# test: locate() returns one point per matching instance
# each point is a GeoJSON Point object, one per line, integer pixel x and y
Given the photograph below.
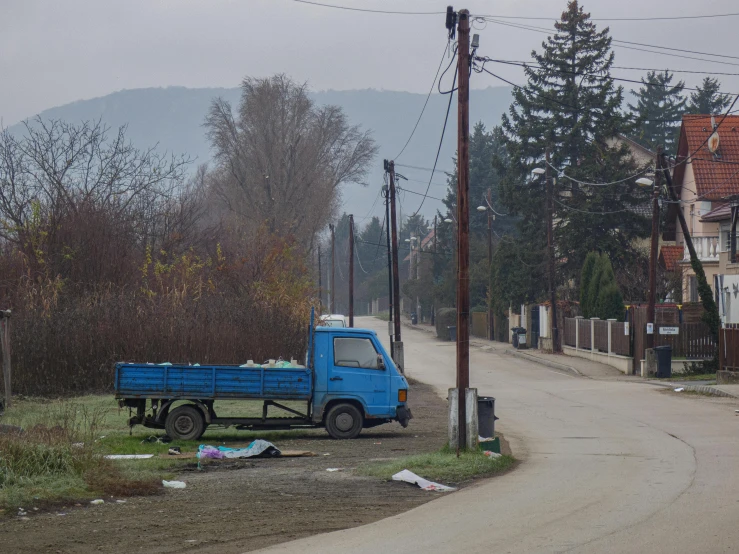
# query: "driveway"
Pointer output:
{"type": "Point", "coordinates": [608, 466]}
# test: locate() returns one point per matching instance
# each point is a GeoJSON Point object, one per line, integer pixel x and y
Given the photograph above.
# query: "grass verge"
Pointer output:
{"type": "Point", "coordinates": [60, 456]}
{"type": "Point", "coordinates": [690, 377]}
{"type": "Point", "coordinates": [443, 466]}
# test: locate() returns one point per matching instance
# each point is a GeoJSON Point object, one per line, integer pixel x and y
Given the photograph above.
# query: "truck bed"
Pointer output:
{"type": "Point", "coordinates": [135, 380]}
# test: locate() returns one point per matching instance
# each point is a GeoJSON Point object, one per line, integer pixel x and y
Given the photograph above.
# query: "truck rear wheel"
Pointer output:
{"type": "Point", "coordinates": [185, 423]}
{"type": "Point", "coordinates": [344, 421]}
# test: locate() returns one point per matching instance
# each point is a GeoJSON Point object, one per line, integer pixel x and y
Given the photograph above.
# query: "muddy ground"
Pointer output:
{"type": "Point", "coordinates": [246, 505]}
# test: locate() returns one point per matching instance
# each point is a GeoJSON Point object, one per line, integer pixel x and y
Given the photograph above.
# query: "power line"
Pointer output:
{"type": "Point", "coordinates": [420, 168]}
{"type": "Point", "coordinates": [441, 141]}
{"type": "Point", "coordinates": [366, 10]}
{"type": "Point", "coordinates": [446, 48]}
{"type": "Point", "coordinates": [590, 74]}
{"type": "Point", "coordinates": [391, 12]}
{"type": "Point", "coordinates": [620, 44]}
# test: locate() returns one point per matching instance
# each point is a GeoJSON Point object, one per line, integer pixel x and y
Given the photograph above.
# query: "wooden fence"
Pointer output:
{"type": "Point", "coordinates": [692, 341]}
{"type": "Point", "coordinates": [728, 348]}
{"type": "Point", "coordinates": [479, 327]}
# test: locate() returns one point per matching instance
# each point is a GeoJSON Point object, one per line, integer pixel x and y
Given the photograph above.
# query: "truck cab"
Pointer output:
{"type": "Point", "coordinates": [357, 384]}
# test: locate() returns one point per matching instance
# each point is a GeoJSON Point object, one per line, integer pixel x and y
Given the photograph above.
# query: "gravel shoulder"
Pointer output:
{"type": "Point", "coordinates": [247, 505]}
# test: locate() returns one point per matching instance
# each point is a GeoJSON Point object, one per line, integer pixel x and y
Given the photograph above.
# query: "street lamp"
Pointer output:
{"type": "Point", "coordinates": [482, 208]}
{"type": "Point", "coordinates": [447, 220]}
{"type": "Point", "coordinates": [538, 171]}
{"type": "Point", "coordinates": [644, 182]}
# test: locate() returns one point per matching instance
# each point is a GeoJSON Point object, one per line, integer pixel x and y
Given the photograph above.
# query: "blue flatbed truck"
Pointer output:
{"type": "Point", "coordinates": [350, 383]}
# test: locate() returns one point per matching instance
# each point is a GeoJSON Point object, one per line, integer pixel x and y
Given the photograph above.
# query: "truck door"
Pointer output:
{"type": "Point", "coordinates": [356, 371]}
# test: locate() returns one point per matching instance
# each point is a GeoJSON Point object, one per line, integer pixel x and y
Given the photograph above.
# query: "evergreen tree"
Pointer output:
{"type": "Point", "coordinates": [594, 286]}
{"type": "Point", "coordinates": [707, 99]}
{"type": "Point", "coordinates": [586, 277]}
{"type": "Point", "coordinates": [484, 147]}
{"type": "Point", "coordinates": [658, 110]}
{"type": "Point", "coordinates": [571, 104]}
{"type": "Point", "coordinates": [611, 303]}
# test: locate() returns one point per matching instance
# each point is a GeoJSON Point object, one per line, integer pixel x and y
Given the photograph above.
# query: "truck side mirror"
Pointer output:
{"type": "Point", "coordinates": [380, 362]}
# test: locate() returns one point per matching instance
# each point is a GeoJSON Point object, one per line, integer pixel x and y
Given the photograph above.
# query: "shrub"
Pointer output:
{"type": "Point", "coordinates": [610, 303]}
{"type": "Point", "coordinates": [586, 278]}
{"type": "Point", "coordinates": [445, 317]}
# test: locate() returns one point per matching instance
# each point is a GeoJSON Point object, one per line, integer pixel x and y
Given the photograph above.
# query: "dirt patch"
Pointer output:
{"type": "Point", "coordinates": [245, 505]}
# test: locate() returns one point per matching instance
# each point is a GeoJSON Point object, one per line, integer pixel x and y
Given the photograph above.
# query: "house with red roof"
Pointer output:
{"type": "Point", "coordinates": [706, 179]}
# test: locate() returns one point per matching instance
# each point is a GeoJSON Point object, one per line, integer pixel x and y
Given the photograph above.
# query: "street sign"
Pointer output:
{"type": "Point", "coordinates": [669, 330]}
{"type": "Point", "coordinates": [650, 328]}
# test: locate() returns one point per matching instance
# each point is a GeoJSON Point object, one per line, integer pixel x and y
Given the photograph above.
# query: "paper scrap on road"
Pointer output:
{"type": "Point", "coordinates": [679, 389]}
{"type": "Point", "coordinates": [98, 501]}
{"type": "Point", "coordinates": [410, 477]}
{"type": "Point", "coordinates": [129, 456]}
{"type": "Point", "coordinates": [174, 484]}
{"type": "Point", "coordinates": [334, 468]}
{"type": "Point", "coordinates": [491, 454]}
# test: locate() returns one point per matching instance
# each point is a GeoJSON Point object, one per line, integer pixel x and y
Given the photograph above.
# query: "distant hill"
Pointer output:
{"type": "Point", "coordinates": [172, 118]}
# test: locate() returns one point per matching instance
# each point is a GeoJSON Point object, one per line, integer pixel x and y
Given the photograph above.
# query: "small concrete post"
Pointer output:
{"type": "Point", "coordinates": [592, 333]}
{"type": "Point", "coordinates": [453, 418]}
{"type": "Point", "coordinates": [610, 335]}
{"type": "Point", "coordinates": [470, 399]}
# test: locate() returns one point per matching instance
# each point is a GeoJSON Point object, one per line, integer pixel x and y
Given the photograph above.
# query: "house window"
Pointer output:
{"type": "Point", "coordinates": [692, 288]}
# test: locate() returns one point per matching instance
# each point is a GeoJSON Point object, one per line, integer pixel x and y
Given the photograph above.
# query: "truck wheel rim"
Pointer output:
{"type": "Point", "coordinates": [184, 425]}
{"type": "Point", "coordinates": [344, 422]}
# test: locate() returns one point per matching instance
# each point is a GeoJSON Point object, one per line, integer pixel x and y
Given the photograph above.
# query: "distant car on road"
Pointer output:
{"type": "Point", "coordinates": [333, 320]}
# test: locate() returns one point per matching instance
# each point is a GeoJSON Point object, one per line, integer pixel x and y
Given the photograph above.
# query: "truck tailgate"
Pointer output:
{"type": "Point", "coordinates": [211, 381]}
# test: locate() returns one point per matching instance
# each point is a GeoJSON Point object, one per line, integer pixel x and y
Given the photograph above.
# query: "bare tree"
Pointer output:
{"type": "Point", "coordinates": [71, 193]}
{"type": "Point", "coordinates": [282, 159]}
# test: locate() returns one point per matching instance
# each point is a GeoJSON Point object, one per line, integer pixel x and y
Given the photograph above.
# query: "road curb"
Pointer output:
{"type": "Point", "coordinates": [542, 361]}
{"type": "Point", "coordinates": [704, 389]}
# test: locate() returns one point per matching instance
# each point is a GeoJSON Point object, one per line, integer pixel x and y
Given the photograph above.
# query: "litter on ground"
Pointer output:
{"type": "Point", "coordinates": [129, 456]}
{"type": "Point", "coordinates": [410, 477]}
{"type": "Point", "coordinates": [97, 501]}
{"type": "Point", "coordinates": [174, 484]}
{"type": "Point", "coordinates": [257, 449]}
{"type": "Point", "coordinates": [491, 454]}
{"type": "Point", "coordinates": [679, 389]}
{"type": "Point", "coordinates": [334, 468]}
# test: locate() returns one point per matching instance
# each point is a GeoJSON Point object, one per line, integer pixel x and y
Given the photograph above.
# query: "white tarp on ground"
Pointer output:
{"type": "Point", "coordinates": [412, 478]}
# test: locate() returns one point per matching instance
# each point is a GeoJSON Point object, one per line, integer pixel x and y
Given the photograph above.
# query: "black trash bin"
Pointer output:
{"type": "Point", "coordinates": [414, 318]}
{"type": "Point", "coordinates": [519, 336]}
{"type": "Point", "coordinates": [486, 416]}
{"type": "Point", "coordinates": [514, 336]}
{"type": "Point", "coordinates": [452, 333]}
{"type": "Point", "coordinates": [664, 361]}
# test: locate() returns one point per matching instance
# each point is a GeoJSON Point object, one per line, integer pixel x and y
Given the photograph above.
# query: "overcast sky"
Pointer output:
{"type": "Point", "coordinates": [55, 52]}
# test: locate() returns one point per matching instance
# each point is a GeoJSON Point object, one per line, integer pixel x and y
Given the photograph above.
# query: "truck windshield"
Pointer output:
{"type": "Point", "coordinates": [355, 352]}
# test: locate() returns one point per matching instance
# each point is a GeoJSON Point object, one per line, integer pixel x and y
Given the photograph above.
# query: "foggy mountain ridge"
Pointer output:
{"type": "Point", "coordinates": [172, 118]}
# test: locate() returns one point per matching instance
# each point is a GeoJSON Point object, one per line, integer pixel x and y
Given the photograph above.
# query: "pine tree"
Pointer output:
{"type": "Point", "coordinates": [586, 277]}
{"type": "Point", "coordinates": [658, 110]}
{"type": "Point", "coordinates": [571, 104]}
{"type": "Point", "coordinates": [707, 99]}
{"type": "Point", "coordinates": [484, 147]}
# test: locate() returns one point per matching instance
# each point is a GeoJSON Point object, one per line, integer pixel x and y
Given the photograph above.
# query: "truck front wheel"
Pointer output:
{"type": "Point", "coordinates": [185, 423]}
{"type": "Point", "coordinates": [344, 421]}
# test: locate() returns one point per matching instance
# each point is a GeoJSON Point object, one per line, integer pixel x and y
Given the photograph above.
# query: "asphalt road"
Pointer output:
{"type": "Point", "coordinates": [608, 466]}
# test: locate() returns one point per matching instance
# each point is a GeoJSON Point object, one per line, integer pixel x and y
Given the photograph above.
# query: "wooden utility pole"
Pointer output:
{"type": "Point", "coordinates": [652, 299]}
{"type": "Point", "coordinates": [386, 190]}
{"type": "Point", "coordinates": [463, 222]}
{"type": "Point", "coordinates": [556, 347]}
{"type": "Point", "coordinates": [320, 283]}
{"type": "Point", "coordinates": [394, 246]}
{"type": "Point", "coordinates": [5, 347]}
{"type": "Point", "coordinates": [351, 270]}
{"type": "Point", "coordinates": [332, 286]}
{"type": "Point", "coordinates": [433, 279]}
{"type": "Point", "coordinates": [491, 216]}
